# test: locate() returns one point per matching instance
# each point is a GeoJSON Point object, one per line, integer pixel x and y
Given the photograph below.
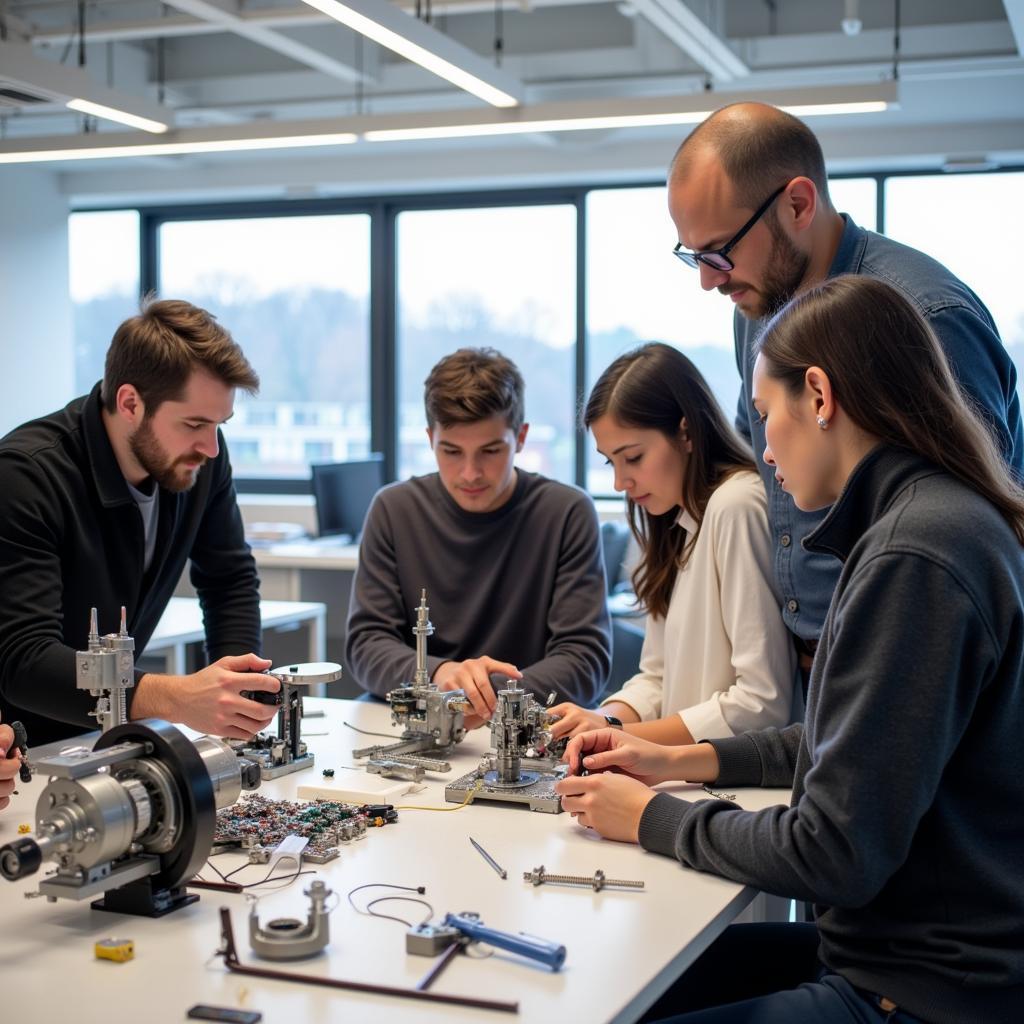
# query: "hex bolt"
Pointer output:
{"type": "Point", "coordinates": [538, 876]}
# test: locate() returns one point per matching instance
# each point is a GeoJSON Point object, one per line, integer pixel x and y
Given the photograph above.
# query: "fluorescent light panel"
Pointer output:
{"type": "Point", "coordinates": [120, 116]}
{"type": "Point", "coordinates": [418, 42]}
{"type": "Point", "coordinates": [550, 117]}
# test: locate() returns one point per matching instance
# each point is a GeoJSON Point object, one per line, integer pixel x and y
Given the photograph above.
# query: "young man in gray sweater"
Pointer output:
{"type": "Point", "coordinates": [510, 560]}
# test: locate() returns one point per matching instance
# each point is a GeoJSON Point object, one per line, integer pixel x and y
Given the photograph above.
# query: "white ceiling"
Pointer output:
{"type": "Point", "coordinates": [213, 62]}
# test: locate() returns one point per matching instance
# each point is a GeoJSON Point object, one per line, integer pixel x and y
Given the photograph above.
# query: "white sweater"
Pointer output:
{"type": "Point", "coordinates": [721, 658]}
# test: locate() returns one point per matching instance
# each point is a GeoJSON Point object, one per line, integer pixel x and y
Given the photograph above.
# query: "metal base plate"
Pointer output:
{"type": "Point", "coordinates": [275, 771]}
{"type": "Point", "coordinates": [538, 795]}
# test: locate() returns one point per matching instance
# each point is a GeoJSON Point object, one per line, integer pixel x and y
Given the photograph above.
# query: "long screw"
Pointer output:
{"type": "Point", "coordinates": [538, 876]}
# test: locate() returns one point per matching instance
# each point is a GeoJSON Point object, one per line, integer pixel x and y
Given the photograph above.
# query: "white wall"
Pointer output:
{"type": "Point", "coordinates": [36, 335]}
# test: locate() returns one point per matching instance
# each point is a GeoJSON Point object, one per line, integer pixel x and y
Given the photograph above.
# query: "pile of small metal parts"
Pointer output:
{"type": "Point", "coordinates": [258, 824]}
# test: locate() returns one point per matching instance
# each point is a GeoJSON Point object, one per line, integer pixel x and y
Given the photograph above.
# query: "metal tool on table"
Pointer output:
{"type": "Point", "coordinates": [287, 938]}
{"type": "Point", "coordinates": [107, 670]}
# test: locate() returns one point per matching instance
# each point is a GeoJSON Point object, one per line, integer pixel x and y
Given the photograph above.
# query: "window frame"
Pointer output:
{"type": "Point", "coordinates": [383, 211]}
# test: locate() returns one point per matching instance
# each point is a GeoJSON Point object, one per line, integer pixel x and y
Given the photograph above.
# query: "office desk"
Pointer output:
{"type": "Point", "coordinates": [281, 566]}
{"type": "Point", "coordinates": [623, 947]}
{"type": "Point", "coordinates": [182, 624]}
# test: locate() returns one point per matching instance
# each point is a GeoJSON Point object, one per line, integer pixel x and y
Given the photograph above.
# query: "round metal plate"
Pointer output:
{"type": "Point", "coordinates": [307, 673]}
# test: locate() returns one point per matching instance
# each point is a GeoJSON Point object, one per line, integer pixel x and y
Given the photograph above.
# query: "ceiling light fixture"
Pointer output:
{"type": "Point", "coordinates": [55, 83]}
{"type": "Point", "coordinates": [415, 40]}
{"type": "Point", "coordinates": [120, 116]}
{"type": "Point", "coordinates": [586, 115]}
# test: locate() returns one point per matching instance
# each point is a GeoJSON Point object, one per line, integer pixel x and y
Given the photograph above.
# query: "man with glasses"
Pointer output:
{"type": "Point", "coordinates": [749, 197]}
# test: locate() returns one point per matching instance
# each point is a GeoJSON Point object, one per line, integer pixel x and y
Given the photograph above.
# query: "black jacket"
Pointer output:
{"type": "Point", "coordinates": [71, 538]}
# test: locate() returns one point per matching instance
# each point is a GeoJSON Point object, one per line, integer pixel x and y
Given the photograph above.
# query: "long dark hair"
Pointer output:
{"type": "Point", "coordinates": [653, 388]}
{"type": "Point", "coordinates": [891, 377]}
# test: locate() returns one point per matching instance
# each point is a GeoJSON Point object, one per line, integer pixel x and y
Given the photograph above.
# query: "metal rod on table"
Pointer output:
{"type": "Point", "coordinates": [487, 857]}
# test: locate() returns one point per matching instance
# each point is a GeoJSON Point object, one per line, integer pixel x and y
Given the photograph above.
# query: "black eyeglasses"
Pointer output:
{"type": "Point", "coordinates": [718, 259]}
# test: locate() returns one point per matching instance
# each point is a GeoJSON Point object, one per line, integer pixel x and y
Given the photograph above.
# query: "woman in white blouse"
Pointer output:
{"type": "Point", "coordinates": [717, 659]}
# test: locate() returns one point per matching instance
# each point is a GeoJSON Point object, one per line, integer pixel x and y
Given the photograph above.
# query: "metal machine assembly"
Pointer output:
{"type": "Point", "coordinates": [278, 755]}
{"type": "Point", "coordinates": [107, 670]}
{"type": "Point", "coordinates": [132, 820]}
{"type": "Point", "coordinates": [520, 731]}
{"type": "Point", "coordinates": [431, 720]}
{"type": "Point", "coordinates": [287, 938]}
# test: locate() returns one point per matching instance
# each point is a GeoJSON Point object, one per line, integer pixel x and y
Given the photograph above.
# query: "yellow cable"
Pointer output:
{"type": "Point", "coordinates": [458, 807]}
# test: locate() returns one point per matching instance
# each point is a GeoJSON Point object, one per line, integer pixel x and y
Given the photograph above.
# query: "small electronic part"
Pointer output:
{"type": "Point", "coordinates": [286, 752]}
{"type": "Point", "coordinates": [287, 938]}
{"type": "Point", "coordinates": [431, 939]}
{"type": "Point", "coordinates": [130, 821]}
{"type": "Point", "coordinates": [257, 825]}
{"type": "Point", "coordinates": [597, 881]}
{"type": "Point", "coordinates": [20, 747]}
{"type": "Point", "coordinates": [24, 830]}
{"type": "Point", "coordinates": [520, 737]}
{"type": "Point", "coordinates": [118, 950]}
{"type": "Point", "coordinates": [107, 670]}
{"type": "Point", "coordinates": [328, 773]}
{"type": "Point", "coordinates": [432, 721]}
{"type": "Point", "coordinates": [225, 1014]}
{"type": "Point", "coordinates": [487, 857]}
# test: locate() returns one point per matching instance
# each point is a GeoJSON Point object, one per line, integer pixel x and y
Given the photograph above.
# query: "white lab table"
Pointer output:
{"type": "Point", "coordinates": [624, 948]}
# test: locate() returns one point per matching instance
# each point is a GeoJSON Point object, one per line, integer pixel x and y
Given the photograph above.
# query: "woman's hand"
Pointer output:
{"type": "Point", "coordinates": [609, 803]}
{"type": "Point", "coordinates": [574, 720]}
{"type": "Point", "coordinates": [618, 751]}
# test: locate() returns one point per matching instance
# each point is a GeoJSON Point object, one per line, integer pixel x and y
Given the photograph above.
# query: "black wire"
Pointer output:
{"type": "Point", "coordinates": [896, 42]}
{"type": "Point", "coordinates": [270, 877]}
{"type": "Point", "coordinates": [366, 732]}
{"type": "Point", "coordinates": [421, 889]}
{"type": "Point", "coordinates": [401, 899]}
{"type": "Point", "coordinates": [499, 32]}
{"type": "Point", "coordinates": [81, 33]}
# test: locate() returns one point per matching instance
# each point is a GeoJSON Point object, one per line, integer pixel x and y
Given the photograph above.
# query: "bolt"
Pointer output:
{"type": "Point", "coordinates": [538, 876]}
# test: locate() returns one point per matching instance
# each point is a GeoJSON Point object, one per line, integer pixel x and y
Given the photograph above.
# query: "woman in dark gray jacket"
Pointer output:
{"type": "Point", "coordinates": [906, 824]}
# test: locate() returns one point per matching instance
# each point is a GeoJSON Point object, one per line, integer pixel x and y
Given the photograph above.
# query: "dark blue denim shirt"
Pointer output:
{"type": "Point", "coordinates": [804, 580]}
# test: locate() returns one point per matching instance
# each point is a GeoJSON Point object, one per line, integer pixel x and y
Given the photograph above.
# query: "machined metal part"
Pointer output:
{"type": "Point", "coordinates": [432, 721]}
{"type": "Point", "coordinates": [395, 769]}
{"type": "Point", "coordinates": [519, 769]}
{"type": "Point", "coordinates": [539, 876]}
{"type": "Point", "coordinates": [287, 938]}
{"type": "Point", "coordinates": [107, 669]}
{"type": "Point", "coordinates": [286, 753]}
{"type": "Point", "coordinates": [130, 821]}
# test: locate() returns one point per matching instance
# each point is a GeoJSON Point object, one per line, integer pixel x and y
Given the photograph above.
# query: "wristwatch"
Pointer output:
{"type": "Point", "coordinates": [615, 723]}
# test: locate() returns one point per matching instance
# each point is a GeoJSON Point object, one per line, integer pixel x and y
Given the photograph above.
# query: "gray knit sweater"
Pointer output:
{"type": "Point", "coordinates": [523, 584]}
{"type": "Point", "coordinates": [906, 825]}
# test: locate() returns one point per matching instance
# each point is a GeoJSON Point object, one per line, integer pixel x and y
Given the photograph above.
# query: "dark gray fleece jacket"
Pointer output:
{"type": "Point", "coordinates": [906, 825]}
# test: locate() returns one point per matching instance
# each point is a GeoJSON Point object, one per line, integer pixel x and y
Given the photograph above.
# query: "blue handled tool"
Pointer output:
{"type": "Point", "coordinates": [432, 939]}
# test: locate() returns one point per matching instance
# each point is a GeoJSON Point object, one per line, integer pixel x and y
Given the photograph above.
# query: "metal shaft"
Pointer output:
{"type": "Point", "coordinates": [422, 630]}
{"type": "Point", "coordinates": [538, 876]}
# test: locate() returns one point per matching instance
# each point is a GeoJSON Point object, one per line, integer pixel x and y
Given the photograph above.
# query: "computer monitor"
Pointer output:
{"type": "Point", "coordinates": [343, 492]}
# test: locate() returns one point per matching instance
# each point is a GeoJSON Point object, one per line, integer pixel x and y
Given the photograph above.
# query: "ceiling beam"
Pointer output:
{"type": "Point", "coordinates": [108, 31]}
{"type": "Point", "coordinates": [679, 24]}
{"type": "Point", "coordinates": [1015, 16]}
{"type": "Point", "coordinates": [269, 38]}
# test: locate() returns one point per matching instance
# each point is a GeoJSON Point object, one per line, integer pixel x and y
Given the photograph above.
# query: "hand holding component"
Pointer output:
{"type": "Point", "coordinates": [609, 803]}
{"type": "Point", "coordinates": [474, 676]}
{"type": "Point", "coordinates": [621, 752]}
{"type": "Point", "coordinates": [574, 720]}
{"type": "Point", "coordinates": [211, 700]}
{"type": "Point", "coordinates": [9, 766]}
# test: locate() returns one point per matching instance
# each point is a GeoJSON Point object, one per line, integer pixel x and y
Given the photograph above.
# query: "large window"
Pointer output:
{"type": "Point", "coordinates": [503, 277]}
{"type": "Point", "coordinates": [977, 236]}
{"type": "Point", "coordinates": [103, 260]}
{"type": "Point", "coordinates": [294, 292]}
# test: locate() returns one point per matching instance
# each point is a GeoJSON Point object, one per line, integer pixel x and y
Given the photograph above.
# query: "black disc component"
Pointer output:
{"type": "Point", "coordinates": [19, 858]}
{"type": "Point", "coordinates": [195, 791]}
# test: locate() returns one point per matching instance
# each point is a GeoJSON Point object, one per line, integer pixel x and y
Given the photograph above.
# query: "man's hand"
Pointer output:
{"type": "Point", "coordinates": [473, 676]}
{"type": "Point", "coordinates": [618, 751]}
{"type": "Point", "coordinates": [574, 720]}
{"type": "Point", "coordinates": [9, 766]}
{"type": "Point", "coordinates": [610, 804]}
{"type": "Point", "coordinates": [210, 700]}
